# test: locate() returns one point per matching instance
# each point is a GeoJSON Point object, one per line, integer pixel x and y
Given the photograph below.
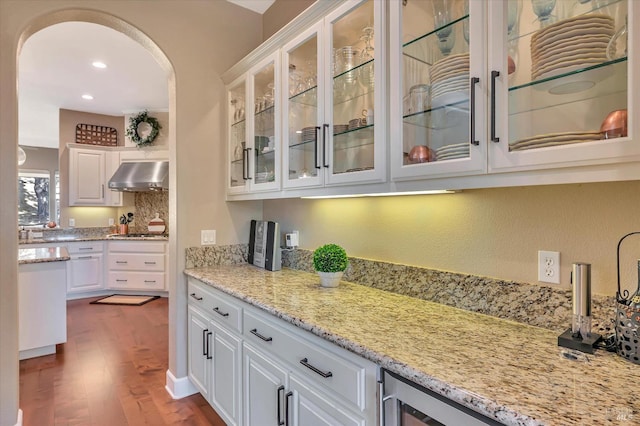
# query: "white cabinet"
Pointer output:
{"type": "Point", "coordinates": [333, 121]}
{"type": "Point", "coordinates": [85, 270]}
{"type": "Point", "coordinates": [89, 172]}
{"type": "Point", "coordinates": [136, 265]}
{"type": "Point", "coordinates": [262, 369]}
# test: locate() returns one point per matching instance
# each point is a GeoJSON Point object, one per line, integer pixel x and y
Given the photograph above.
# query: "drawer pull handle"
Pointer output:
{"type": "Point", "coordinates": [260, 336]}
{"type": "Point", "coordinates": [121, 261]}
{"type": "Point", "coordinates": [149, 281]}
{"type": "Point", "coordinates": [149, 263]}
{"type": "Point", "coordinates": [280, 390]}
{"type": "Point", "coordinates": [305, 362]}
{"type": "Point", "coordinates": [195, 297]}
{"type": "Point", "coordinates": [121, 281]}
{"type": "Point", "coordinates": [85, 248]}
{"type": "Point", "coordinates": [85, 257]}
{"type": "Point", "coordinates": [218, 311]}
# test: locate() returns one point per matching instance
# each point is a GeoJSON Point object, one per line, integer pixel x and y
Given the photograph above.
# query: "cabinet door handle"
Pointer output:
{"type": "Point", "coordinates": [149, 281]}
{"type": "Point", "coordinates": [121, 261]}
{"type": "Point", "coordinates": [315, 154]}
{"type": "Point", "coordinates": [494, 75]}
{"type": "Point", "coordinates": [195, 297]}
{"type": "Point", "coordinates": [121, 281]}
{"type": "Point", "coordinates": [84, 257]}
{"type": "Point", "coordinates": [260, 336]}
{"type": "Point", "coordinates": [248, 164]}
{"type": "Point", "coordinates": [204, 341]}
{"type": "Point", "coordinates": [219, 312]}
{"type": "Point", "coordinates": [103, 190]}
{"type": "Point", "coordinates": [279, 407]}
{"type": "Point", "coordinates": [244, 164]}
{"type": "Point", "coordinates": [149, 263]}
{"type": "Point", "coordinates": [474, 81]}
{"type": "Point", "coordinates": [286, 408]}
{"type": "Point", "coordinates": [209, 334]}
{"type": "Point", "coordinates": [325, 128]}
{"type": "Point", "coordinates": [305, 362]}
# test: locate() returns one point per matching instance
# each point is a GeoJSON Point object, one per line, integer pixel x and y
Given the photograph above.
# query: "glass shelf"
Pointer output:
{"type": "Point", "coordinates": [605, 79]}
{"type": "Point", "coordinates": [347, 84]}
{"type": "Point", "coordinates": [236, 161]}
{"type": "Point", "coordinates": [305, 145]}
{"type": "Point", "coordinates": [306, 97]}
{"type": "Point", "coordinates": [238, 123]}
{"type": "Point", "coordinates": [265, 153]}
{"type": "Point", "coordinates": [419, 49]}
{"type": "Point", "coordinates": [264, 111]}
{"type": "Point", "coordinates": [442, 117]}
{"type": "Point", "coordinates": [354, 138]}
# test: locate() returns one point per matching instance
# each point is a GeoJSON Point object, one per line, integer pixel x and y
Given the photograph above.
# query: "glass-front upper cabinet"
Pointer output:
{"type": "Point", "coordinates": [334, 119]}
{"type": "Point", "coordinates": [563, 78]}
{"type": "Point", "coordinates": [237, 147]}
{"type": "Point", "coordinates": [437, 80]}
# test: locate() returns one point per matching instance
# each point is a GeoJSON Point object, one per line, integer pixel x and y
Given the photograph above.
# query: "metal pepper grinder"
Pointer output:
{"type": "Point", "coordinates": [579, 336]}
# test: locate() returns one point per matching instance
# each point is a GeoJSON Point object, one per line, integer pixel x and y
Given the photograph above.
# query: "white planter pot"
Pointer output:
{"type": "Point", "coordinates": [330, 279]}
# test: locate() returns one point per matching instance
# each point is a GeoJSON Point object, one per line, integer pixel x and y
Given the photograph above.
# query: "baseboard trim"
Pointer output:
{"type": "Point", "coordinates": [19, 423]}
{"type": "Point", "coordinates": [179, 388]}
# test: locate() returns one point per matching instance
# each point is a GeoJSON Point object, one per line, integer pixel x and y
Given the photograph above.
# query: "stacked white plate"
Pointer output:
{"type": "Point", "coordinates": [308, 134]}
{"type": "Point", "coordinates": [450, 80]}
{"type": "Point", "coordinates": [570, 44]}
{"type": "Point", "coordinates": [555, 139]}
{"type": "Point", "coordinates": [449, 152]}
{"type": "Point", "coordinates": [340, 128]}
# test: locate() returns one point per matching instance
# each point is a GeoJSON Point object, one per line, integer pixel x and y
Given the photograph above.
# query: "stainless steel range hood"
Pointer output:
{"type": "Point", "coordinates": [141, 176]}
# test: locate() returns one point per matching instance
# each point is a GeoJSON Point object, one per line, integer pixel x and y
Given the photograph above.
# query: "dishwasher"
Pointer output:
{"type": "Point", "coordinates": [404, 403]}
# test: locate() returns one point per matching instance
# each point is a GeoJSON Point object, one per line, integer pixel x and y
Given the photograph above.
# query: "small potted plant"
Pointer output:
{"type": "Point", "coordinates": [330, 261]}
{"type": "Point", "coordinates": [125, 220]}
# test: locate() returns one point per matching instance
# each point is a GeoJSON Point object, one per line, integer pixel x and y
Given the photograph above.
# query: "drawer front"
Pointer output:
{"type": "Point", "coordinates": [223, 309]}
{"type": "Point", "coordinates": [136, 280]}
{"type": "Point", "coordinates": [85, 247]}
{"type": "Point", "coordinates": [338, 375]}
{"type": "Point", "coordinates": [136, 262]}
{"type": "Point", "coordinates": [137, 246]}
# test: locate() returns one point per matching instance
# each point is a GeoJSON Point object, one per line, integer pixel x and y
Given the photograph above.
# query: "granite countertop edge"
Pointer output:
{"type": "Point", "coordinates": [87, 238]}
{"type": "Point", "coordinates": [476, 402]}
{"type": "Point", "coordinates": [28, 256]}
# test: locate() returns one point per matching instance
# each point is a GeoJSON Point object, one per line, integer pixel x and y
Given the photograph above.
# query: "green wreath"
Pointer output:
{"type": "Point", "coordinates": [134, 127]}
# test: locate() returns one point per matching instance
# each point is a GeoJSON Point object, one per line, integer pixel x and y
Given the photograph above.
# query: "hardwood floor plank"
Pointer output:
{"type": "Point", "coordinates": [110, 372]}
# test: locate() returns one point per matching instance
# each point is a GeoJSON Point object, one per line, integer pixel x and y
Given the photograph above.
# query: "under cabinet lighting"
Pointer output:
{"type": "Point", "coordinates": [383, 194]}
{"type": "Point", "coordinates": [99, 64]}
{"type": "Point", "coordinates": [87, 97]}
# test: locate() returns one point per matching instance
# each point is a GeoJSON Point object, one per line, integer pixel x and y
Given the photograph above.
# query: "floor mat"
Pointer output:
{"type": "Point", "coordinates": [124, 299]}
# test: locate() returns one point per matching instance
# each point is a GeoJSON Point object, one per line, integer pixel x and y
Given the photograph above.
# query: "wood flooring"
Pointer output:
{"type": "Point", "coordinates": [111, 372]}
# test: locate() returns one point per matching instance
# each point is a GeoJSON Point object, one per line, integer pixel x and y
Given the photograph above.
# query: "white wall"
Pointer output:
{"type": "Point", "coordinates": [194, 40]}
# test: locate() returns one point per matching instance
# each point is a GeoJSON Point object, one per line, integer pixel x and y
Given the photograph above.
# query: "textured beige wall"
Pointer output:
{"type": "Point", "coordinates": [281, 13]}
{"type": "Point", "coordinates": [490, 232]}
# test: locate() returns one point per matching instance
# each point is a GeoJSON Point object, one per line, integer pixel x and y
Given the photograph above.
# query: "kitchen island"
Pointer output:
{"type": "Point", "coordinates": [42, 301]}
{"type": "Point", "coordinates": [510, 372]}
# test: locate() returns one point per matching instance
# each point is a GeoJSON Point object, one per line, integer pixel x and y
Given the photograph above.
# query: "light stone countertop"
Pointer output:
{"type": "Point", "coordinates": [39, 255]}
{"type": "Point", "coordinates": [512, 372]}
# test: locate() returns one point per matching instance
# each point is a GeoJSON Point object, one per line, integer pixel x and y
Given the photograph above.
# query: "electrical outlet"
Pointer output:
{"type": "Point", "coordinates": [292, 239]}
{"type": "Point", "coordinates": [72, 222]}
{"type": "Point", "coordinates": [549, 266]}
{"type": "Point", "coordinates": [208, 237]}
{"type": "Point", "coordinates": [111, 221]}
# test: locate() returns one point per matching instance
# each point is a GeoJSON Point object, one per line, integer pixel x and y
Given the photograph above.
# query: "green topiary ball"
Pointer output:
{"type": "Point", "coordinates": [330, 258]}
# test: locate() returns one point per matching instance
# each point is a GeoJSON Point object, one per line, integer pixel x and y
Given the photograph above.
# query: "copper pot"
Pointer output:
{"type": "Point", "coordinates": [615, 125]}
{"type": "Point", "coordinates": [421, 154]}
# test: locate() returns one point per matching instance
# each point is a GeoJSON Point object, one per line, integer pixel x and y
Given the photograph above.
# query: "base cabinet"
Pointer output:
{"type": "Point", "coordinates": [85, 270]}
{"type": "Point", "coordinates": [136, 265]}
{"type": "Point", "coordinates": [255, 369]}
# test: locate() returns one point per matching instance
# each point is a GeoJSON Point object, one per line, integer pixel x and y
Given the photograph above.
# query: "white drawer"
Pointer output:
{"type": "Point", "coordinates": [136, 280]}
{"type": "Point", "coordinates": [85, 247]}
{"type": "Point", "coordinates": [137, 246]}
{"type": "Point", "coordinates": [224, 309]}
{"type": "Point", "coordinates": [340, 376]}
{"type": "Point", "coordinates": [136, 262]}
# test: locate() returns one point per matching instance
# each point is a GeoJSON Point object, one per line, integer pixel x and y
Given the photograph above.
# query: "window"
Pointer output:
{"type": "Point", "coordinates": [33, 197]}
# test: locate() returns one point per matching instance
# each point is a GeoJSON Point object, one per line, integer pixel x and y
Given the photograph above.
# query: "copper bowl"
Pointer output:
{"type": "Point", "coordinates": [615, 125]}
{"type": "Point", "coordinates": [511, 65]}
{"type": "Point", "coordinates": [421, 154]}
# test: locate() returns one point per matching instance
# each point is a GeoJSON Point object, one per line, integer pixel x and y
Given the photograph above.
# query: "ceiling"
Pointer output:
{"type": "Point", "coordinates": [259, 6]}
{"type": "Point", "coordinates": [55, 70]}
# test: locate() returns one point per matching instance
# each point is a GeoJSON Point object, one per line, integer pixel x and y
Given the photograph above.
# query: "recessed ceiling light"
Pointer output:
{"type": "Point", "coordinates": [87, 97]}
{"type": "Point", "coordinates": [99, 64]}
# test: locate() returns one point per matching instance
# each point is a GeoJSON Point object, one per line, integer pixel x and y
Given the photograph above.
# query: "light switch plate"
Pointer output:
{"type": "Point", "coordinates": [208, 237]}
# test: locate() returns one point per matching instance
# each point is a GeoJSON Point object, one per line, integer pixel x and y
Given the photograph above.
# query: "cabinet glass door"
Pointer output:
{"type": "Point", "coordinates": [437, 73]}
{"type": "Point", "coordinates": [237, 155]}
{"type": "Point", "coordinates": [264, 156]}
{"type": "Point", "coordinates": [302, 121]}
{"type": "Point", "coordinates": [354, 145]}
{"type": "Point", "coordinates": [563, 83]}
